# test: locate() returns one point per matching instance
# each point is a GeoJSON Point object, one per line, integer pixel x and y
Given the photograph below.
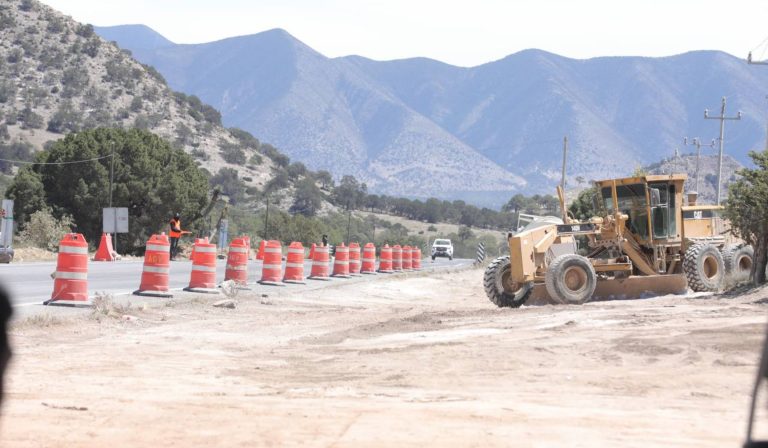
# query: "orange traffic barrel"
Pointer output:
{"type": "Point", "coordinates": [416, 258]}
{"type": "Point", "coordinates": [354, 259]}
{"type": "Point", "coordinates": [105, 252]}
{"type": "Point", "coordinates": [237, 263]}
{"type": "Point", "coordinates": [397, 258]}
{"type": "Point", "coordinates": [407, 256]}
{"type": "Point", "coordinates": [312, 251]}
{"type": "Point", "coordinates": [341, 262]}
{"type": "Point", "coordinates": [385, 260]}
{"type": "Point", "coordinates": [320, 263]}
{"type": "Point", "coordinates": [157, 266]}
{"type": "Point", "coordinates": [203, 276]}
{"type": "Point", "coordinates": [272, 268]}
{"type": "Point", "coordinates": [260, 252]}
{"type": "Point", "coordinates": [294, 264]}
{"type": "Point", "coordinates": [368, 265]}
{"type": "Point", "coordinates": [70, 284]}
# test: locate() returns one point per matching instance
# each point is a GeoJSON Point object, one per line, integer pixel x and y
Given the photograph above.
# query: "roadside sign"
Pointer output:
{"type": "Point", "coordinates": [115, 220]}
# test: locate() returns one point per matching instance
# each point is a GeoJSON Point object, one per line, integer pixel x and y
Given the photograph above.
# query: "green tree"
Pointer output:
{"type": "Point", "coordinates": [583, 207]}
{"type": "Point", "coordinates": [28, 193]}
{"type": "Point", "coordinates": [308, 198]}
{"type": "Point", "coordinates": [747, 209]}
{"type": "Point", "coordinates": [227, 179]}
{"type": "Point", "coordinates": [150, 178]}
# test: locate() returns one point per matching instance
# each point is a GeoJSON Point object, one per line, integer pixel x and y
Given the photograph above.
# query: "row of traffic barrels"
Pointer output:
{"type": "Point", "coordinates": [71, 276]}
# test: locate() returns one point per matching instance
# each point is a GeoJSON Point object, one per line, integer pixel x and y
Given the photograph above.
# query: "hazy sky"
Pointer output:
{"type": "Point", "coordinates": [463, 33]}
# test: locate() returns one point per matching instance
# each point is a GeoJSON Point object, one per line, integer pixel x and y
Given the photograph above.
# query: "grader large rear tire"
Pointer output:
{"type": "Point", "coordinates": [571, 279]}
{"type": "Point", "coordinates": [738, 260]}
{"type": "Point", "coordinates": [704, 268]}
{"type": "Point", "coordinates": [500, 288]}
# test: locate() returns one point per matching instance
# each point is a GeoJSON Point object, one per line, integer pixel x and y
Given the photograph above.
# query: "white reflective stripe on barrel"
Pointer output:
{"type": "Point", "coordinates": [320, 263]}
{"type": "Point", "coordinates": [273, 250]}
{"type": "Point", "coordinates": [204, 268]}
{"type": "Point", "coordinates": [73, 250]}
{"type": "Point", "coordinates": [369, 260]}
{"type": "Point", "coordinates": [272, 266]}
{"type": "Point", "coordinates": [240, 250]}
{"type": "Point", "coordinates": [158, 247]}
{"type": "Point", "coordinates": [321, 249]}
{"type": "Point", "coordinates": [72, 275]}
{"type": "Point", "coordinates": [295, 251]}
{"type": "Point", "coordinates": [205, 249]}
{"type": "Point", "coordinates": [341, 262]}
{"type": "Point", "coordinates": [237, 268]}
{"type": "Point", "coordinates": [294, 265]}
{"type": "Point", "coordinates": [341, 250]}
{"type": "Point", "coordinates": [156, 270]}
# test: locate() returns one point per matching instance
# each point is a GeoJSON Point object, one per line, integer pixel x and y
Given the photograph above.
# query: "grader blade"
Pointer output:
{"type": "Point", "coordinates": [635, 287]}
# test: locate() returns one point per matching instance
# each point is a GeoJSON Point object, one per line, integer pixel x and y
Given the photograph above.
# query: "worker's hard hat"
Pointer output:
{"type": "Point", "coordinates": [177, 215]}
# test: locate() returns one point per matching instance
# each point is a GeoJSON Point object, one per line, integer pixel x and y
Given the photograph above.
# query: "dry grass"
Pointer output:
{"type": "Point", "coordinates": [104, 305]}
{"type": "Point", "coordinates": [40, 320]}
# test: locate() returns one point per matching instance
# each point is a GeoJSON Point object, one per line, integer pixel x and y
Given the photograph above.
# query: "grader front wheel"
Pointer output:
{"type": "Point", "coordinates": [501, 289]}
{"type": "Point", "coordinates": [571, 279]}
{"type": "Point", "coordinates": [704, 268]}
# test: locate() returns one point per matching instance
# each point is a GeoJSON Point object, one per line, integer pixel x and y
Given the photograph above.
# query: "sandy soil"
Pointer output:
{"type": "Point", "coordinates": [416, 361]}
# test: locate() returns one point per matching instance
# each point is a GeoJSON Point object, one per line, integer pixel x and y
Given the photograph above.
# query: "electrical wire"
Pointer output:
{"type": "Point", "coordinates": [27, 162]}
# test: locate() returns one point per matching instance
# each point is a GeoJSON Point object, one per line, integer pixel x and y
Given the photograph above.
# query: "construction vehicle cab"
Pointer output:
{"type": "Point", "coordinates": [636, 245]}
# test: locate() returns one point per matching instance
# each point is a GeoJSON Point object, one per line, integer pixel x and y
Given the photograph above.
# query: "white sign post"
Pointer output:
{"type": "Point", "coordinates": [115, 221]}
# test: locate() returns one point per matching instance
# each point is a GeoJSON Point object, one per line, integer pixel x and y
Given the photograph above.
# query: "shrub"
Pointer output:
{"type": "Point", "coordinates": [44, 231]}
{"type": "Point", "coordinates": [30, 119]}
{"type": "Point", "coordinates": [232, 153]}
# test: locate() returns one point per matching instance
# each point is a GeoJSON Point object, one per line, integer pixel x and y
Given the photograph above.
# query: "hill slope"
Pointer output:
{"type": "Point", "coordinates": [58, 76]}
{"type": "Point", "coordinates": [389, 122]}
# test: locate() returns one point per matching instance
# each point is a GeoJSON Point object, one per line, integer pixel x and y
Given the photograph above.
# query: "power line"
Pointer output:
{"type": "Point", "coordinates": [26, 162]}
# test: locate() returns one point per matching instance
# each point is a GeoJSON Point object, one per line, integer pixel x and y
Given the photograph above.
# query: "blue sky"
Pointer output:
{"type": "Point", "coordinates": [464, 33]}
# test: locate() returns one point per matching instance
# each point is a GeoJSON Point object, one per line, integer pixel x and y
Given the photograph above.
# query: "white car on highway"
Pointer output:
{"type": "Point", "coordinates": [442, 248]}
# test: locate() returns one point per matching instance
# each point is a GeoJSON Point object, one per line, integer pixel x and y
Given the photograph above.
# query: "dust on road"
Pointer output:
{"type": "Point", "coordinates": [424, 360]}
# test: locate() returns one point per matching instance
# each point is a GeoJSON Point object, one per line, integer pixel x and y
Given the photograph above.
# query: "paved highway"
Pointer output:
{"type": "Point", "coordinates": [30, 283]}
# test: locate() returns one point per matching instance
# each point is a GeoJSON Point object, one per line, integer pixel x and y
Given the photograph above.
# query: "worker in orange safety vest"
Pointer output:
{"type": "Point", "coordinates": [175, 234]}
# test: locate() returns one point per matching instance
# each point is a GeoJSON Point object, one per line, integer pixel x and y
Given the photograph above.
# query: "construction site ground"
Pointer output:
{"type": "Point", "coordinates": [414, 360]}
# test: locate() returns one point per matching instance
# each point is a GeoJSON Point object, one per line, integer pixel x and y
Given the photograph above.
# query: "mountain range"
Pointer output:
{"type": "Point", "coordinates": [419, 127]}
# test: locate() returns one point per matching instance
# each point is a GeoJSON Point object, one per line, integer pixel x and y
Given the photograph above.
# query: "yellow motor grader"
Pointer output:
{"type": "Point", "coordinates": [645, 242]}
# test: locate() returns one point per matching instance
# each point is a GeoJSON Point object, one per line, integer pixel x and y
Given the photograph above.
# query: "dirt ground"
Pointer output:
{"type": "Point", "coordinates": [424, 360]}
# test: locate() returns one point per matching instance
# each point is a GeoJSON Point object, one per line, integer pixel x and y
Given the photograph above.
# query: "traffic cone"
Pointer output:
{"type": "Point", "coordinates": [341, 262]}
{"type": "Point", "coordinates": [416, 259]}
{"type": "Point", "coordinates": [320, 263]}
{"type": "Point", "coordinates": [272, 268]}
{"type": "Point", "coordinates": [369, 259]}
{"type": "Point", "coordinates": [105, 252]}
{"type": "Point", "coordinates": [385, 260]}
{"type": "Point", "coordinates": [407, 258]}
{"type": "Point", "coordinates": [237, 263]}
{"type": "Point", "coordinates": [70, 285]}
{"type": "Point", "coordinates": [203, 276]}
{"type": "Point", "coordinates": [312, 251]}
{"type": "Point", "coordinates": [157, 266]}
{"type": "Point", "coordinates": [354, 259]}
{"type": "Point", "coordinates": [294, 264]}
{"type": "Point", "coordinates": [260, 253]}
{"type": "Point", "coordinates": [397, 258]}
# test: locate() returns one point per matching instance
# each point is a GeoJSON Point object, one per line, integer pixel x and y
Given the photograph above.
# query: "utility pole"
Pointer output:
{"type": "Point", "coordinates": [722, 119]}
{"type": "Point", "coordinates": [111, 180]}
{"type": "Point", "coordinates": [697, 143]}
{"type": "Point", "coordinates": [565, 154]}
{"type": "Point", "coordinates": [266, 221]}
